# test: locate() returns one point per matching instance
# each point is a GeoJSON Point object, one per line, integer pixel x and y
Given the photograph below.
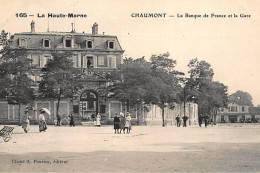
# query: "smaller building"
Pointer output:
{"type": "Point", "coordinates": [237, 113]}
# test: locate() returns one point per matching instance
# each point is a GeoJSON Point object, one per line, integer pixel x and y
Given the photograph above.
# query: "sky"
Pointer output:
{"type": "Point", "coordinates": [230, 44]}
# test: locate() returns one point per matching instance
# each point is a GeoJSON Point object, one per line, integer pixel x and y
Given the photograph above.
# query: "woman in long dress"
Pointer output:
{"type": "Point", "coordinates": [128, 122]}
{"type": "Point", "coordinates": [116, 123]}
{"type": "Point", "coordinates": [42, 122]}
{"type": "Point", "coordinates": [98, 120]}
{"type": "Point", "coordinates": [122, 122]}
{"type": "Point", "coordinates": [26, 124]}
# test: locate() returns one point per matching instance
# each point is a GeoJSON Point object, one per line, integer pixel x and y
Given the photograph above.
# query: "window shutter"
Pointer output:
{"type": "Point", "coordinates": [113, 62]}
{"type": "Point", "coordinates": [41, 61]}
{"type": "Point", "coordinates": [95, 61]}
{"type": "Point", "coordinates": [84, 61]}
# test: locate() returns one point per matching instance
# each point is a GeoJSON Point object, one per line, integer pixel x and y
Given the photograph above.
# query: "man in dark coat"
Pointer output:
{"type": "Point", "coordinates": [71, 120]}
{"type": "Point", "coordinates": [58, 119]}
{"type": "Point", "coordinates": [116, 123]}
{"type": "Point", "coordinates": [185, 118]}
{"type": "Point", "coordinates": [206, 118]}
{"type": "Point", "coordinates": [178, 121]}
{"type": "Point", "coordinates": [200, 120]}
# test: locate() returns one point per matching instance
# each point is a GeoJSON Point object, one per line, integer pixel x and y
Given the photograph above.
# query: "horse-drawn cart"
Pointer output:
{"type": "Point", "coordinates": [6, 133]}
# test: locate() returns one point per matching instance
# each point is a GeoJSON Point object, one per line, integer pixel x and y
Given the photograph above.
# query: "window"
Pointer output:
{"type": "Point", "coordinates": [111, 45]}
{"type": "Point", "coordinates": [46, 43]}
{"type": "Point", "coordinates": [102, 61]}
{"type": "Point", "coordinates": [89, 44]}
{"type": "Point", "coordinates": [44, 60]}
{"type": "Point", "coordinates": [74, 59]}
{"type": "Point", "coordinates": [232, 108]}
{"type": "Point", "coordinates": [35, 60]}
{"type": "Point", "coordinates": [243, 109]}
{"type": "Point", "coordinates": [112, 62]}
{"type": "Point", "coordinates": [89, 61]}
{"type": "Point", "coordinates": [22, 42]}
{"type": "Point", "coordinates": [68, 43]}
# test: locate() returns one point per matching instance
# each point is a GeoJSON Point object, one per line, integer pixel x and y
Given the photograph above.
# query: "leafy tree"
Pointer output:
{"type": "Point", "coordinates": [164, 85]}
{"type": "Point", "coordinates": [58, 77]}
{"type": "Point", "coordinates": [15, 85]}
{"type": "Point", "coordinates": [241, 98]}
{"type": "Point", "coordinates": [153, 82]}
{"type": "Point", "coordinates": [130, 81]}
{"type": "Point", "coordinates": [201, 88]}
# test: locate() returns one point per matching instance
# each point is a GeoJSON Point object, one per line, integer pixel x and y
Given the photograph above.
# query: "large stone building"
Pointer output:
{"type": "Point", "coordinates": [94, 55]}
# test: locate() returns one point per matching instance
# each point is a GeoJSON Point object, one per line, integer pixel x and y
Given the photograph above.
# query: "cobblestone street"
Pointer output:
{"type": "Point", "coordinates": [224, 147]}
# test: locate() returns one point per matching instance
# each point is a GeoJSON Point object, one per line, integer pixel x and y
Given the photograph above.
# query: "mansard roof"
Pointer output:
{"type": "Point", "coordinates": [35, 39]}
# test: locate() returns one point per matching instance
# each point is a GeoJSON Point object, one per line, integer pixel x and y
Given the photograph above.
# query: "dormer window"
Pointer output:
{"type": "Point", "coordinates": [111, 45]}
{"type": "Point", "coordinates": [23, 42]}
{"type": "Point", "coordinates": [89, 44]}
{"type": "Point", "coordinates": [68, 43]}
{"type": "Point", "coordinates": [46, 43]}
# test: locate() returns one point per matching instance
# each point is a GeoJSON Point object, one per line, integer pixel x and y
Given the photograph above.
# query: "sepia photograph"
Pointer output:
{"type": "Point", "coordinates": [129, 86]}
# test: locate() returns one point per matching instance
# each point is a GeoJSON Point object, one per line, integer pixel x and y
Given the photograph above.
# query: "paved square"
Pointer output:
{"type": "Point", "coordinates": [222, 148]}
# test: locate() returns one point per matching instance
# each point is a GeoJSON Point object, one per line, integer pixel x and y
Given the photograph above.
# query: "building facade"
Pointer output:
{"type": "Point", "coordinates": [236, 113]}
{"type": "Point", "coordinates": [94, 55]}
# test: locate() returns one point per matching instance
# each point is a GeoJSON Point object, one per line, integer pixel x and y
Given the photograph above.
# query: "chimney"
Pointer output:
{"type": "Point", "coordinates": [95, 29]}
{"type": "Point", "coordinates": [72, 30]}
{"type": "Point", "coordinates": [32, 26]}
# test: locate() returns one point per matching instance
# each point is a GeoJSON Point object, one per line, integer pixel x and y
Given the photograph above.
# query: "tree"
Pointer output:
{"type": "Point", "coordinates": [58, 77]}
{"type": "Point", "coordinates": [164, 87]}
{"type": "Point", "coordinates": [153, 82]}
{"type": "Point", "coordinates": [241, 98]}
{"type": "Point", "coordinates": [201, 88]}
{"type": "Point", "coordinates": [15, 84]}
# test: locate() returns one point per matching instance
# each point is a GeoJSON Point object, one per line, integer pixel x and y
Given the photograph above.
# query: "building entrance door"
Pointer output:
{"type": "Point", "coordinates": [89, 105]}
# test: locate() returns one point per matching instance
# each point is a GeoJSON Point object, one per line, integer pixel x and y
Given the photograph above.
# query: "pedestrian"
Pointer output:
{"type": "Point", "coordinates": [128, 123]}
{"type": "Point", "coordinates": [200, 120]}
{"type": "Point", "coordinates": [116, 123]}
{"type": "Point", "coordinates": [206, 120]}
{"type": "Point", "coordinates": [211, 122]}
{"type": "Point", "coordinates": [98, 120]}
{"type": "Point", "coordinates": [58, 119]}
{"type": "Point", "coordinates": [122, 122]}
{"type": "Point", "coordinates": [185, 118]}
{"type": "Point", "coordinates": [71, 120]}
{"type": "Point", "coordinates": [94, 119]}
{"type": "Point", "coordinates": [42, 122]}
{"type": "Point", "coordinates": [178, 121]}
{"type": "Point", "coordinates": [26, 123]}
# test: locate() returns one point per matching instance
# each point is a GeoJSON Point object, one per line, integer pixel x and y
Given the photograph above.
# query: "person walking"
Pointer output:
{"type": "Point", "coordinates": [26, 123]}
{"type": "Point", "coordinates": [71, 120]}
{"type": "Point", "coordinates": [185, 118]}
{"type": "Point", "coordinates": [42, 122]}
{"type": "Point", "coordinates": [116, 123]}
{"type": "Point", "coordinates": [128, 122]}
{"type": "Point", "coordinates": [211, 121]}
{"type": "Point", "coordinates": [178, 123]}
{"type": "Point", "coordinates": [200, 120]}
{"type": "Point", "coordinates": [122, 122]}
{"type": "Point", "coordinates": [98, 120]}
{"type": "Point", "coordinates": [58, 119]}
{"type": "Point", "coordinates": [206, 120]}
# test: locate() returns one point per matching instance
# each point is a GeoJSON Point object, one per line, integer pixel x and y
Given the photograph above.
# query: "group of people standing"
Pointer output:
{"type": "Point", "coordinates": [206, 120]}
{"type": "Point", "coordinates": [97, 120]}
{"type": "Point", "coordinates": [178, 120]}
{"type": "Point", "coordinates": [122, 123]}
{"type": "Point", "coordinates": [42, 122]}
{"type": "Point", "coordinates": [70, 117]}
{"type": "Point", "coordinates": [201, 118]}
